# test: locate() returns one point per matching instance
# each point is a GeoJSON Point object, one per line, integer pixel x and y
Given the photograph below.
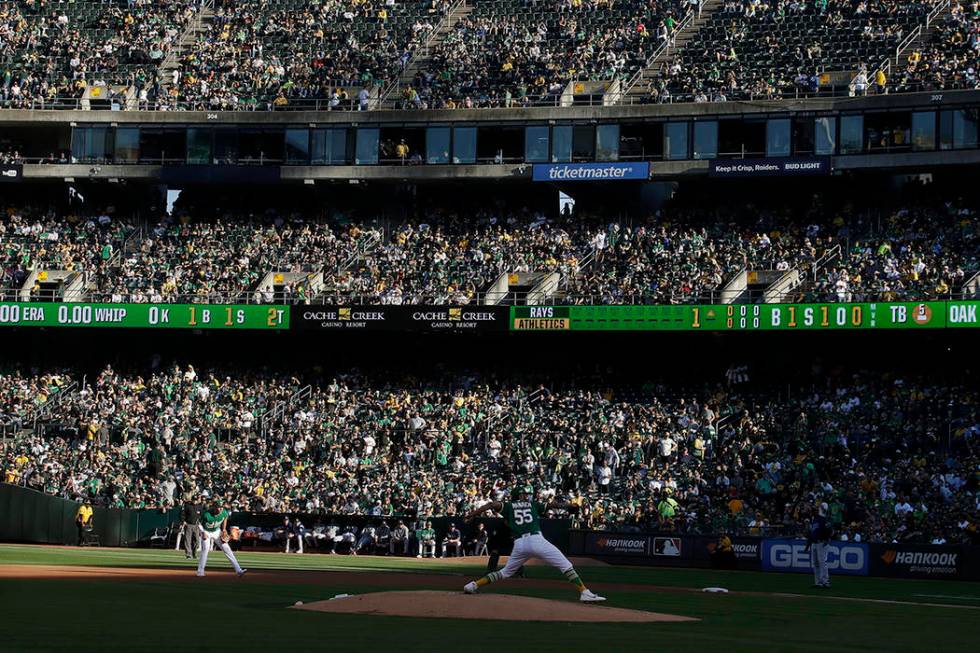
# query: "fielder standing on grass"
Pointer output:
{"type": "Point", "coordinates": [214, 533]}
{"type": "Point", "coordinates": [522, 516]}
{"type": "Point", "coordinates": [817, 541]}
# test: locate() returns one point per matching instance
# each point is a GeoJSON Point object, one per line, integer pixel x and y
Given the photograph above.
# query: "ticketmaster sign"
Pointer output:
{"type": "Point", "coordinates": [590, 171]}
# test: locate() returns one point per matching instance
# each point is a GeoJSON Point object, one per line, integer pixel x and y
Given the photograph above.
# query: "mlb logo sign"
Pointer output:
{"type": "Point", "coordinates": [667, 546]}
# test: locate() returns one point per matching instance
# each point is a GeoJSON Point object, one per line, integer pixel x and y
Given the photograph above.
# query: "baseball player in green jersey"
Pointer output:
{"type": "Point", "coordinates": [523, 518]}
{"type": "Point", "coordinates": [214, 533]}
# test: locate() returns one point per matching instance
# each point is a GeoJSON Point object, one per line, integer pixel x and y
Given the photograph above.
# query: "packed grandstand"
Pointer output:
{"type": "Point", "coordinates": [442, 54]}
{"type": "Point", "coordinates": [893, 455]}
{"type": "Point", "coordinates": [684, 253]}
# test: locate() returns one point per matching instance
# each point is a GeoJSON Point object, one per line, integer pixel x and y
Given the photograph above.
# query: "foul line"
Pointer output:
{"type": "Point", "coordinates": [882, 601]}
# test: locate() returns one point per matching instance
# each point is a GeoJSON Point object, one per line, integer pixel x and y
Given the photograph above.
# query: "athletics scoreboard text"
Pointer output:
{"type": "Point", "coordinates": [162, 316]}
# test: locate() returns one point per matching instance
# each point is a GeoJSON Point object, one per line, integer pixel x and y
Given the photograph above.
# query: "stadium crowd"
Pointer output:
{"type": "Point", "coordinates": [58, 50]}
{"type": "Point", "coordinates": [225, 258]}
{"type": "Point", "coordinates": [677, 255]}
{"type": "Point", "coordinates": [518, 53]}
{"type": "Point", "coordinates": [950, 59]}
{"type": "Point", "coordinates": [255, 55]}
{"type": "Point", "coordinates": [894, 457]}
{"type": "Point", "coordinates": [32, 240]}
{"type": "Point", "coordinates": [779, 48]}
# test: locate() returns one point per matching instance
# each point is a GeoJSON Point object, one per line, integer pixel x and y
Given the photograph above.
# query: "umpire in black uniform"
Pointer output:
{"type": "Point", "coordinates": [190, 514]}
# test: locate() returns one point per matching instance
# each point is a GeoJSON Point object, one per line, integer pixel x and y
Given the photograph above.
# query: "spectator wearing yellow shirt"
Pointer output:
{"type": "Point", "coordinates": [401, 151]}
{"type": "Point", "coordinates": [84, 520]}
{"type": "Point", "coordinates": [735, 506]}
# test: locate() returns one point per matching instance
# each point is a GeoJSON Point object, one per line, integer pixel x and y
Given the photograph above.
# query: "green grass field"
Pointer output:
{"type": "Point", "coordinates": [764, 611]}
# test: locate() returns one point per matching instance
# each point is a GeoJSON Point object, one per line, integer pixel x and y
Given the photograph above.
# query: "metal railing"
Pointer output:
{"type": "Point", "coordinates": [971, 289]}
{"type": "Point", "coordinates": [886, 65]}
{"type": "Point", "coordinates": [10, 426]}
{"type": "Point", "coordinates": [277, 413]}
{"type": "Point", "coordinates": [663, 49]}
{"type": "Point", "coordinates": [170, 62]}
{"type": "Point", "coordinates": [547, 100]}
{"type": "Point", "coordinates": [420, 53]}
{"type": "Point", "coordinates": [825, 259]}
{"type": "Point", "coordinates": [40, 416]}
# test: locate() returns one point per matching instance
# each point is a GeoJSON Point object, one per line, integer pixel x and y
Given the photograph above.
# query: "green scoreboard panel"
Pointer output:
{"type": "Point", "coordinates": [747, 317]}
{"type": "Point", "coordinates": [154, 316]}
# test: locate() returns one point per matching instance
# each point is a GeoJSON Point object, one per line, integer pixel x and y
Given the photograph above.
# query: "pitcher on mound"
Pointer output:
{"type": "Point", "coordinates": [522, 516]}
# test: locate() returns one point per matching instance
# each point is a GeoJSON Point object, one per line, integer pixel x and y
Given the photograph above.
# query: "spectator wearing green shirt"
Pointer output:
{"type": "Point", "coordinates": [426, 537]}
{"type": "Point", "coordinates": [668, 510]}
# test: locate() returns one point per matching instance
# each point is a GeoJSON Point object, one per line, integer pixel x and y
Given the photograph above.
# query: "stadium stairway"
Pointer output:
{"type": "Point", "coordinates": [661, 60]}
{"type": "Point", "coordinates": [971, 289]}
{"type": "Point", "coordinates": [391, 94]}
{"type": "Point", "coordinates": [195, 28]}
{"type": "Point", "coordinates": [917, 41]}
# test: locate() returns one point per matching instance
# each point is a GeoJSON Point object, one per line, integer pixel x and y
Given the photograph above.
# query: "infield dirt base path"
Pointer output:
{"type": "Point", "coordinates": [497, 607]}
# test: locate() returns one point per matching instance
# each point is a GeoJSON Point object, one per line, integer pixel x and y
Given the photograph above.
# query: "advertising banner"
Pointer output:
{"type": "Point", "coordinates": [463, 319]}
{"type": "Point", "coordinates": [11, 172]}
{"type": "Point", "coordinates": [925, 561]}
{"type": "Point", "coordinates": [590, 171]}
{"type": "Point", "coordinates": [669, 547]}
{"type": "Point", "coordinates": [745, 317]}
{"type": "Point", "coordinates": [794, 166]}
{"type": "Point", "coordinates": [155, 316]}
{"type": "Point", "coordinates": [616, 544]}
{"type": "Point", "coordinates": [745, 551]}
{"type": "Point", "coordinates": [848, 558]}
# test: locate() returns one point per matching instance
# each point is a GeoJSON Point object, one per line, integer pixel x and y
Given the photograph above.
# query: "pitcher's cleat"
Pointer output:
{"type": "Point", "coordinates": [242, 572]}
{"type": "Point", "coordinates": [200, 574]}
{"type": "Point", "coordinates": [588, 596]}
{"type": "Point", "coordinates": [471, 588]}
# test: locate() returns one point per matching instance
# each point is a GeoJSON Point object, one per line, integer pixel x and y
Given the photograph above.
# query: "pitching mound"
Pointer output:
{"type": "Point", "coordinates": [500, 607]}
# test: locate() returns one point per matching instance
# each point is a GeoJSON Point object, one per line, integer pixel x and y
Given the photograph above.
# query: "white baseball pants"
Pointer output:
{"type": "Point", "coordinates": [209, 541]}
{"type": "Point", "coordinates": [299, 542]}
{"type": "Point", "coordinates": [818, 560]}
{"type": "Point", "coordinates": [534, 546]}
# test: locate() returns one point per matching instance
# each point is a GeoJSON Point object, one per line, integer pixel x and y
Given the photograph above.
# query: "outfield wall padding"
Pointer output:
{"type": "Point", "coordinates": [30, 516]}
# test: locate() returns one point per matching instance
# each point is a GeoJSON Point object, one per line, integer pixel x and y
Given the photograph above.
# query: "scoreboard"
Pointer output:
{"type": "Point", "coordinates": [704, 317]}
{"type": "Point", "coordinates": [747, 317]}
{"type": "Point", "coordinates": [154, 316]}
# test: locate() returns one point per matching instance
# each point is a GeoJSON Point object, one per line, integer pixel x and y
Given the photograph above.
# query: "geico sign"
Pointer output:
{"type": "Point", "coordinates": [795, 556]}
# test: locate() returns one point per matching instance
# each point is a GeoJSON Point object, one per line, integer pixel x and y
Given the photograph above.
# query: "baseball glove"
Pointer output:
{"type": "Point", "coordinates": [225, 537]}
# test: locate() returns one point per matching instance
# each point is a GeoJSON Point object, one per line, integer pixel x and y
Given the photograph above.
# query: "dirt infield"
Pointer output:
{"type": "Point", "coordinates": [497, 607]}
